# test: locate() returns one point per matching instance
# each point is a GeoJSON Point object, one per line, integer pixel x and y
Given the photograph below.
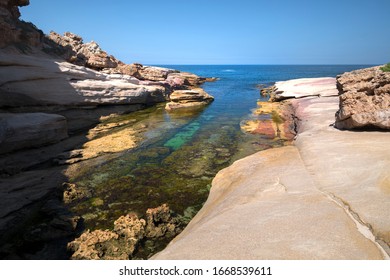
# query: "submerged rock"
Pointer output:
{"type": "Point", "coordinates": [121, 242]}
{"type": "Point", "coordinates": [364, 99]}
{"type": "Point", "coordinates": [272, 120]}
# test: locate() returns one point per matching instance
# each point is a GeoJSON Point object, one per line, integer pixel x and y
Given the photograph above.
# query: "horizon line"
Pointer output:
{"type": "Point", "coordinates": [192, 64]}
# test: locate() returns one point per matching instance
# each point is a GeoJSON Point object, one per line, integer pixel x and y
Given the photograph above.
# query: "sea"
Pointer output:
{"type": "Point", "coordinates": [182, 152]}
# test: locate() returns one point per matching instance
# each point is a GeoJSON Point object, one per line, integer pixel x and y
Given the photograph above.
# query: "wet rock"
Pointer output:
{"type": "Point", "coordinates": [272, 120]}
{"type": "Point", "coordinates": [159, 222]}
{"type": "Point", "coordinates": [73, 193]}
{"type": "Point", "coordinates": [109, 245]}
{"type": "Point", "coordinates": [123, 240]}
{"type": "Point", "coordinates": [364, 99]}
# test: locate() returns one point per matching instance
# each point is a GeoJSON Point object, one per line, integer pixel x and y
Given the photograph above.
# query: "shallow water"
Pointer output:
{"type": "Point", "coordinates": [182, 152]}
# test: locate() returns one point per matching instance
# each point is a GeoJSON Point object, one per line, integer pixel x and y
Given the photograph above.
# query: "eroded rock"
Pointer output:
{"type": "Point", "coordinates": [181, 99]}
{"type": "Point", "coordinates": [128, 232]}
{"type": "Point", "coordinates": [364, 99]}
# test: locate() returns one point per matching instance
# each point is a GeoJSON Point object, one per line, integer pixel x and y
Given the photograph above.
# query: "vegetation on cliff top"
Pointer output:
{"type": "Point", "coordinates": [386, 68]}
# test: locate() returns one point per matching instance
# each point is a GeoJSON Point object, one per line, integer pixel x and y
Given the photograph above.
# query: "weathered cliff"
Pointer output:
{"type": "Point", "coordinates": [364, 99]}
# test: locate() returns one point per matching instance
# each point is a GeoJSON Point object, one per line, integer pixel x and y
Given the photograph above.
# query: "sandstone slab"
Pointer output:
{"type": "Point", "coordinates": [41, 81]}
{"type": "Point", "coordinates": [305, 87]}
{"type": "Point", "coordinates": [326, 197]}
{"type": "Point", "coordinates": [29, 130]}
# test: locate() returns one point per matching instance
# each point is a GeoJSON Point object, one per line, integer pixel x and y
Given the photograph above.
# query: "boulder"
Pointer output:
{"type": "Point", "coordinates": [29, 130]}
{"type": "Point", "coordinates": [364, 99]}
{"type": "Point", "coordinates": [190, 98]}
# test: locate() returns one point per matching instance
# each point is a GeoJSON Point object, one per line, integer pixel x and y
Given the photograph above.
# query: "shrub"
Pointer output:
{"type": "Point", "coordinates": [386, 68]}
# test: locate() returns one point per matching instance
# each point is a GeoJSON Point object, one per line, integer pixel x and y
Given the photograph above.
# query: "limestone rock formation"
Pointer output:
{"type": "Point", "coordinates": [182, 99]}
{"type": "Point", "coordinates": [19, 131]}
{"type": "Point", "coordinates": [364, 99]}
{"type": "Point", "coordinates": [74, 50]}
{"type": "Point", "coordinates": [122, 241]}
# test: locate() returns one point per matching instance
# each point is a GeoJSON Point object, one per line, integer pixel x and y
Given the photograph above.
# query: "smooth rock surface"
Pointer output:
{"type": "Point", "coordinates": [54, 82]}
{"type": "Point", "coordinates": [29, 130]}
{"type": "Point", "coordinates": [305, 87]}
{"type": "Point", "coordinates": [326, 197]}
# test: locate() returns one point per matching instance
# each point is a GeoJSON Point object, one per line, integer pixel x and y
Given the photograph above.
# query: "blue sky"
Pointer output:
{"type": "Point", "coordinates": [225, 31]}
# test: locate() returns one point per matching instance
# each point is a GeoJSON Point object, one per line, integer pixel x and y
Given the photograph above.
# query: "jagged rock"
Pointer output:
{"type": "Point", "coordinates": [84, 54]}
{"type": "Point", "coordinates": [14, 32]}
{"type": "Point", "coordinates": [73, 193]}
{"type": "Point", "coordinates": [118, 244]}
{"type": "Point", "coordinates": [130, 226]}
{"type": "Point", "coordinates": [195, 97]}
{"type": "Point", "coordinates": [121, 242]}
{"type": "Point", "coordinates": [148, 72]}
{"type": "Point", "coordinates": [159, 222]}
{"type": "Point", "coordinates": [28, 130]}
{"type": "Point", "coordinates": [364, 99]}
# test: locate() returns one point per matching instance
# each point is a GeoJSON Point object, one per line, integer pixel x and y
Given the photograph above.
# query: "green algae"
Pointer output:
{"type": "Point", "coordinates": [174, 164]}
{"type": "Point", "coordinates": [183, 136]}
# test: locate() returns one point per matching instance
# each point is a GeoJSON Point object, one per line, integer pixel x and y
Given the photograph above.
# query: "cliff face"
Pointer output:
{"type": "Point", "coordinates": [14, 33]}
{"type": "Point", "coordinates": [364, 99]}
{"type": "Point", "coordinates": [58, 73]}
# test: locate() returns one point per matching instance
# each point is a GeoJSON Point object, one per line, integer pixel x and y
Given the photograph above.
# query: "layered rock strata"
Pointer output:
{"type": "Point", "coordinates": [30, 130]}
{"type": "Point", "coordinates": [326, 197]}
{"type": "Point", "coordinates": [183, 99]}
{"type": "Point", "coordinates": [364, 99]}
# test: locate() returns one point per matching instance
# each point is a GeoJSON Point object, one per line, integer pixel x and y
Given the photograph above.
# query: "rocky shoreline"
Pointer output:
{"type": "Point", "coordinates": [324, 197]}
{"type": "Point", "coordinates": [59, 97]}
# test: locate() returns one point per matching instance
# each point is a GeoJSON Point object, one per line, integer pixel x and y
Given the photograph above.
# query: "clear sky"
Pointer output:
{"type": "Point", "coordinates": [225, 31]}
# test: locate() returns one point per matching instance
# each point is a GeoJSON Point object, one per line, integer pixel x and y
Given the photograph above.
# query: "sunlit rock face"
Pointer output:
{"type": "Point", "coordinates": [364, 99]}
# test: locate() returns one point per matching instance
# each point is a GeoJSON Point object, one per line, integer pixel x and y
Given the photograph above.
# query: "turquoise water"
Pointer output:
{"type": "Point", "coordinates": [182, 152]}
